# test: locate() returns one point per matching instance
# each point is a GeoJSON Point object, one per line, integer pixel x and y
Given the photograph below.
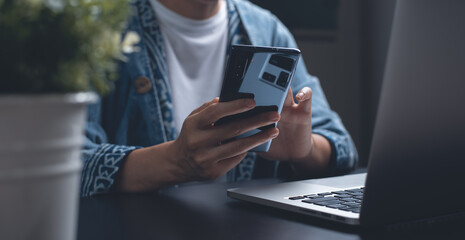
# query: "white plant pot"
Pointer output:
{"type": "Point", "coordinates": [40, 143]}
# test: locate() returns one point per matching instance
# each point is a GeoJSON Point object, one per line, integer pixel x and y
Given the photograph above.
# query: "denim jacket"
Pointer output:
{"type": "Point", "coordinates": [138, 112]}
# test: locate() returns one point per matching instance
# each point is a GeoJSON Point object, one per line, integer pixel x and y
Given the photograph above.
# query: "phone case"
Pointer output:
{"type": "Point", "coordinates": [261, 73]}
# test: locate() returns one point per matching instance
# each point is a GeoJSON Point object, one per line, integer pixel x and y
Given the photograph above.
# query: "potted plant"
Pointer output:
{"type": "Point", "coordinates": [53, 55]}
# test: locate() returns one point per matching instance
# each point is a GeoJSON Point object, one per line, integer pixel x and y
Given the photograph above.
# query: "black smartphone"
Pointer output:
{"type": "Point", "coordinates": [261, 73]}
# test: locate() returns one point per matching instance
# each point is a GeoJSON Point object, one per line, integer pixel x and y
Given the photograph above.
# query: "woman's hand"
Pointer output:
{"type": "Point", "coordinates": [202, 150]}
{"type": "Point", "coordinates": [309, 153]}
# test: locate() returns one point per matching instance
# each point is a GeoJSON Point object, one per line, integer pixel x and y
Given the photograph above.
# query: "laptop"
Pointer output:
{"type": "Point", "coordinates": [416, 169]}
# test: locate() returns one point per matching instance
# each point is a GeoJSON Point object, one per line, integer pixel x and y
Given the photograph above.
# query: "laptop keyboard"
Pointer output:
{"type": "Point", "coordinates": [348, 200]}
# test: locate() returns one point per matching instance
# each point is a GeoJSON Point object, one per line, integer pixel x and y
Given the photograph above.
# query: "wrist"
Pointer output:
{"type": "Point", "coordinates": [150, 168]}
{"type": "Point", "coordinates": [316, 162]}
{"type": "Point", "coordinates": [307, 156]}
{"type": "Point", "coordinates": [174, 167]}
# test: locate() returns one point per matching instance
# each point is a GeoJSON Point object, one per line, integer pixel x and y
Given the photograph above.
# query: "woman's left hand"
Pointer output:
{"type": "Point", "coordinates": [308, 153]}
{"type": "Point", "coordinates": [294, 142]}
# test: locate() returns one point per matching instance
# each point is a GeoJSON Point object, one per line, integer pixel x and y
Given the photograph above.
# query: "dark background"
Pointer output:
{"type": "Point", "coordinates": [344, 43]}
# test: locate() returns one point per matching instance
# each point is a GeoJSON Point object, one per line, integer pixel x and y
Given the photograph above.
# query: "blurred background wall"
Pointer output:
{"type": "Point", "coordinates": [344, 43]}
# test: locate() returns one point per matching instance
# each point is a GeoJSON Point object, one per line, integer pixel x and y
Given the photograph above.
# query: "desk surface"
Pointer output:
{"type": "Point", "coordinates": [204, 211]}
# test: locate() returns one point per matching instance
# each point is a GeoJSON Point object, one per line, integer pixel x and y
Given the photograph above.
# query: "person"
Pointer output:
{"type": "Point", "coordinates": [156, 128]}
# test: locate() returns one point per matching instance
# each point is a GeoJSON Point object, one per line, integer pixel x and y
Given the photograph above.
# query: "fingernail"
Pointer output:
{"type": "Point", "coordinates": [300, 95]}
{"type": "Point", "coordinates": [250, 103]}
{"type": "Point", "coordinates": [275, 117]}
{"type": "Point", "coordinates": [274, 135]}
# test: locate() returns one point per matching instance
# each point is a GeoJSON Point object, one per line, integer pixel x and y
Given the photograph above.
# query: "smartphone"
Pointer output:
{"type": "Point", "coordinates": [261, 73]}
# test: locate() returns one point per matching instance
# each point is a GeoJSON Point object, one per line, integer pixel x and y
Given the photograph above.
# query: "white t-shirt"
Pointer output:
{"type": "Point", "coordinates": [195, 52]}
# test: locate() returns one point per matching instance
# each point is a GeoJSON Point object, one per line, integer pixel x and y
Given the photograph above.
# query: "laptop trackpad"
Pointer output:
{"type": "Point", "coordinates": [346, 181]}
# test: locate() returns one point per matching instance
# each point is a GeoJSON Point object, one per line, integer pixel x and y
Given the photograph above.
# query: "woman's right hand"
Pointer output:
{"type": "Point", "coordinates": [202, 149]}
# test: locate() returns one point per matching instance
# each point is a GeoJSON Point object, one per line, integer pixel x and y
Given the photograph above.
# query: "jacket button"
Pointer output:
{"type": "Point", "coordinates": [142, 85]}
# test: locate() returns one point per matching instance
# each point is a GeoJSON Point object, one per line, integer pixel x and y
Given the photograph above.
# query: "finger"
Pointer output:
{"type": "Point", "coordinates": [218, 110]}
{"type": "Point", "coordinates": [289, 98]}
{"type": "Point", "coordinates": [236, 128]}
{"type": "Point", "coordinates": [230, 163]}
{"type": "Point", "coordinates": [244, 145]}
{"type": "Point", "coordinates": [304, 99]}
{"type": "Point", "coordinates": [204, 106]}
{"type": "Point", "coordinates": [221, 167]}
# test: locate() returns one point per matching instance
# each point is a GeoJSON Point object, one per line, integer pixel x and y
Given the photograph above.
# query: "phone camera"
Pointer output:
{"type": "Point", "coordinates": [283, 79]}
{"type": "Point", "coordinates": [283, 62]}
{"type": "Point", "coordinates": [268, 77]}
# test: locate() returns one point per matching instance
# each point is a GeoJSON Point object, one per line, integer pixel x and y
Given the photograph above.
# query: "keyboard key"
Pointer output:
{"type": "Point", "coordinates": [325, 193]}
{"type": "Point", "coordinates": [355, 190]}
{"type": "Point", "coordinates": [349, 199]}
{"type": "Point", "coordinates": [314, 200]}
{"type": "Point", "coordinates": [355, 210]}
{"type": "Point", "coordinates": [335, 206]}
{"type": "Point", "coordinates": [345, 209]}
{"type": "Point", "coordinates": [356, 194]}
{"type": "Point", "coordinates": [296, 198]}
{"type": "Point", "coordinates": [343, 196]}
{"type": "Point", "coordinates": [328, 203]}
{"type": "Point", "coordinates": [309, 201]}
{"type": "Point", "coordinates": [352, 204]}
{"type": "Point", "coordinates": [339, 192]}
{"type": "Point", "coordinates": [329, 198]}
{"type": "Point", "coordinates": [312, 196]}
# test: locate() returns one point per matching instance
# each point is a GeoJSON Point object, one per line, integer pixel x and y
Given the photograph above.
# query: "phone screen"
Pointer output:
{"type": "Point", "coordinates": [261, 73]}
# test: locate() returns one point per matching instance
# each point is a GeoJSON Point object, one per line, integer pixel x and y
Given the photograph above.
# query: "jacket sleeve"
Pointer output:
{"type": "Point", "coordinates": [325, 122]}
{"type": "Point", "coordinates": [101, 160]}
